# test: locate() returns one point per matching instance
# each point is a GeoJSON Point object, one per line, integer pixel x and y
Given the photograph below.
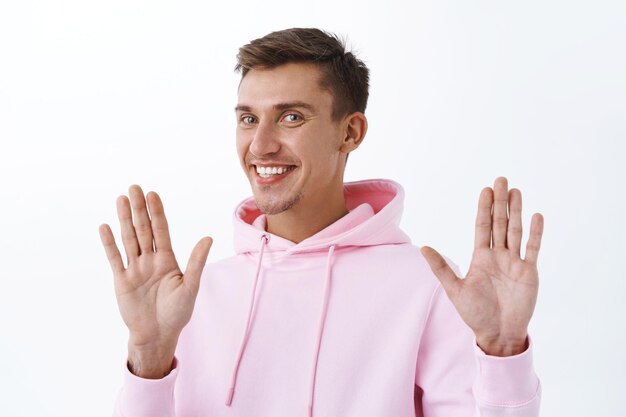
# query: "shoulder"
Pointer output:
{"type": "Point", "coordinates": [402, 263]}
{"type": "Point", "coordinates": [403, 254]}
{"type": "Point", "coordinates": [229, 262]}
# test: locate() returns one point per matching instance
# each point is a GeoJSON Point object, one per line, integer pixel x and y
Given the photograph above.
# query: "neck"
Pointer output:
{"type": "Point", "coordinates": [305, 220]}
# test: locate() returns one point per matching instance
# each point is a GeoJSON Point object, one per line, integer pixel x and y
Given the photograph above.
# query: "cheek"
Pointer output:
{"type": "Point", "coordinates": [242, 145]}
{"type": "Point", "coordinates": [326, 148]}
{"type": "Point", "coordinates": [242, 150]}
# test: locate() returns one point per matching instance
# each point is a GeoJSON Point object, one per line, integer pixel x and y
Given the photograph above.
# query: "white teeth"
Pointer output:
{"type": "Point", "coordinates": [266, 172]}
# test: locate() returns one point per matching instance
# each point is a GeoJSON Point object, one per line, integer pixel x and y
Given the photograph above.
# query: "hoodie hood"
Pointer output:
{"type": "Point", "coordinates": [375, 208]}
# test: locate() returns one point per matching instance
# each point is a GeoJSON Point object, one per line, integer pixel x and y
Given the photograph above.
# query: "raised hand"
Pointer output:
{"type": "Point", "coordinates": [154, 297]}
{"type": "Point", "coordinates": [498, 295]}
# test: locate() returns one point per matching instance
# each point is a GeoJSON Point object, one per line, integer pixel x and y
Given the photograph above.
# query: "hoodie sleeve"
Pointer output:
{"type": "Point", "coordinates": [142, 397]}
{"type": "Point", "coordinates": [457, 378]}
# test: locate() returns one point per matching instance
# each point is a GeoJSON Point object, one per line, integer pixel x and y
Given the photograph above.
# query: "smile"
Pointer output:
{"type": "Point", "coordinates": [266, 172]}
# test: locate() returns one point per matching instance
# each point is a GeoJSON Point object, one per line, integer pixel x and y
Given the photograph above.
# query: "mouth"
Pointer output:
{"type": "Point", "coordinates": [270, 171]}
{"type": "Point", "coordinates": [271, 174]}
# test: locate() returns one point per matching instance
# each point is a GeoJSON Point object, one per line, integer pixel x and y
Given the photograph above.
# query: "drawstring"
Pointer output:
{"type": "Point", "coordinates": [244, 342]}
{"type": "Point", "coordinates": [320, 328]}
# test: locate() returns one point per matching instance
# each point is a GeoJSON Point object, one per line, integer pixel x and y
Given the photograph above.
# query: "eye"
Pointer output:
{"type": "Point", "coordinates": [247, 120]}
{"type": "Point", "coordinates": [292, 118]}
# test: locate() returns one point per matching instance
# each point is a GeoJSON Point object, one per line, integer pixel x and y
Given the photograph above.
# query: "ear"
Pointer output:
{"type": "Point", "coordinates": [354, 131]}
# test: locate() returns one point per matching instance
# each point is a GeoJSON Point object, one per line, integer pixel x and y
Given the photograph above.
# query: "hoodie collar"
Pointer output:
{"type": "Point", "coordinates": [354, 217]}
{"type": "Point", "coordinates": [375, 211]}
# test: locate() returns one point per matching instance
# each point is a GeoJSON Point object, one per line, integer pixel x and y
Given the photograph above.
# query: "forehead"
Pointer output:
{"type": "Point", "coordinates": [286, 83]}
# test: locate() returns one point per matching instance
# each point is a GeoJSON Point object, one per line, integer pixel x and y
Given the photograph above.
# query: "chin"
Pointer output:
{"type": "Point", "coordinates": [271, 206]}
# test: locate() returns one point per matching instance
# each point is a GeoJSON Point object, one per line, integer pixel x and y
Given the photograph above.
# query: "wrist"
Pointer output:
{"type": "Point", "coordinates": [500, 346]}
{"type": "Point", "coordinates": [151, 362]}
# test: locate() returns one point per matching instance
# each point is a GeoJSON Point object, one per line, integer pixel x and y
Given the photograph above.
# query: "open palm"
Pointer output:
{"type": "Point", "coordinates": [497, 297]}
{"type": "Point", "coordinates": [155, 298]}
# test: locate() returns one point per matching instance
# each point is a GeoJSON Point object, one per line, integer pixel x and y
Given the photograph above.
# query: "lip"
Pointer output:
{"type": "Point", "coordinates": [274, 179]}
{"type": "Point", "coordinates": [270, 164]}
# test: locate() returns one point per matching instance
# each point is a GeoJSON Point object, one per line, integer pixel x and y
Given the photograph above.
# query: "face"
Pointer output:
{"type": "Point", "coordinates": [288, 144]}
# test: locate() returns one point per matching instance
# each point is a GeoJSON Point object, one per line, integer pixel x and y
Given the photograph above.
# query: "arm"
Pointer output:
{"type": "Point", "coordinates": [458, 379]}
{"type": "Point", "coordinates": [146, 397]}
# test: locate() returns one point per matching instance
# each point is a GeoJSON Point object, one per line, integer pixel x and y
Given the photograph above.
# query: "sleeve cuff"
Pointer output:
{"type": "Point", "coordinates": [148, 397]}
{"type": "Point", "coordinates": [506, 381]}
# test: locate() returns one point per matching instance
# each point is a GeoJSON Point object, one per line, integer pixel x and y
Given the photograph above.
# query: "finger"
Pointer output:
{"type": "Point", "coordinates": [441, 269]}
{"type": "Point", "coordinates": [129, 238]}
{"type": "Point", "coordinates": [111, 250]}
{"type": "Point", "coordinates": [499, 218]}
{"type": "Point", "coordinates": [514, 231]}
{"type": "Point", "coordinates": [196, 263]}
{"type": "Point", "coordinates": [483, 219]}
{"type": "Point", "coordinates": [141, 218]}
{"type": "Point", "coordinates": [534, 240]}
{"type": "Point", "coordinates": [160, 229]}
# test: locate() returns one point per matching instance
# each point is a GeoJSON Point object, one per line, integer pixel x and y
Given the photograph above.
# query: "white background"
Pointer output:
{"type": "Point", "coordinates": [95, 96]}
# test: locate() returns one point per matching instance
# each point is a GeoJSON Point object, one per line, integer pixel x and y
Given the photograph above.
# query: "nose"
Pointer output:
{"type": "Point", "coordinates": [265, 139]}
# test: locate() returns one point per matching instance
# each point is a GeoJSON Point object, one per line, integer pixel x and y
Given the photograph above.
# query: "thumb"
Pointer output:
{"type": "Point", "coordinates": [449, 281]}
{"type": "Point", "coordinates": [196, 263]}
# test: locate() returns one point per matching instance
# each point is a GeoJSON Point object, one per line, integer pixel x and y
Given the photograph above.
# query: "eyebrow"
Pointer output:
{"type": "Point", "coordinates": [280, 106]}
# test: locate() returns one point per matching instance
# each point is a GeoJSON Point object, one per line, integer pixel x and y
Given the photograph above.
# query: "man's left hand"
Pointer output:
{"type": "Point", "coordinates": [497, 297]}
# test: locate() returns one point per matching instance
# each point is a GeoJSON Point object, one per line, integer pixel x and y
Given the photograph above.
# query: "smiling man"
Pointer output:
{"type": "Point", "coordinates": [326, 309]}
{"type": "Point", "coordinates": [282, 116]}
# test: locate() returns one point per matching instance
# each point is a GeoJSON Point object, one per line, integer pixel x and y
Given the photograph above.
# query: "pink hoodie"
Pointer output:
{"type": "Point", "coordinates": [350, 322]}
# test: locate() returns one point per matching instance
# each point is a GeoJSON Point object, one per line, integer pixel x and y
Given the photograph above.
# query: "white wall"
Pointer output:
{"type": "Point", "coordinates": [95, 96]}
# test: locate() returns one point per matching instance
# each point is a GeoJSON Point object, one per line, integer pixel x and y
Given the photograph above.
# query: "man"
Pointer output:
{"type": "Point", "coordinates": [326, 309]}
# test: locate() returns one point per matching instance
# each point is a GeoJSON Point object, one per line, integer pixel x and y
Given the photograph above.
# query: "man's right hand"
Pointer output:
{"type": "Point", "coordinates": [154, 297]}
